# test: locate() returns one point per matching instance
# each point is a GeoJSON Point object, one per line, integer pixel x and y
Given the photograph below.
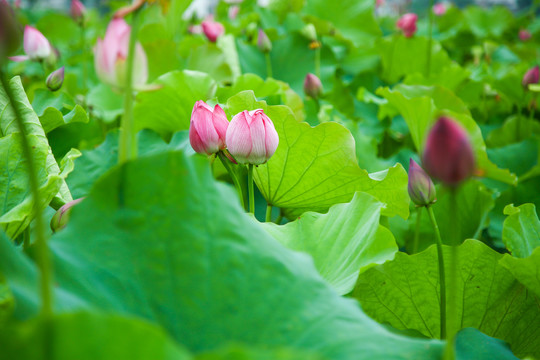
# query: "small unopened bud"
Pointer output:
{"type": "Point", "coordinates": [420, 187]}
{"type": "Point", "coordinates": [77, 11]}
{"type": "Point", "coordinates": [312, 86]}
{"type": "Point", "coordinates": [263, 42]}
{"type": "Point", "coordinates": [407, 24]}
{"type": "Point", "coordinates": [309, 32]}
{"type": "Point", "coordinates": [448, 154]}
{"type": "Point", "coordinates": [61, 218]}
{"type": "Point", "coordinates": [10, 31]}
{"type": "Point", "coordinates": [532, 76]}
{"type": "Point", "coordinates": [212, 29]}
{"type": "Point", "coordinates": [439, 9]}
{"type": "Point", "coordinates": [524, 35]}
{"type": "Point", "coordinates": [55, 79]}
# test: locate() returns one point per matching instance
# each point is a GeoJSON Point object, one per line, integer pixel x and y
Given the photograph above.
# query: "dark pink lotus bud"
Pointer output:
{"type": "Point", "coordinates": [420, 187]}
{"type": "Point", "coordinates": [212, 29]}
{"type": "Point", "coordinates": [251, 137]}
{"type": "Point", "coordinates": [55, 79]}
{"type": "Point", "coordinates": [77, 10]}
{"type": "Point", "coordinates": [312, 86]}
{"type": "Point", "coordinates": [207, 128]}
{"type": "Point", "coordinates": [532, 76]}
{"type": "Point", "coordinates": [263, 42]}
{"type": "Point", "coordinates": [524, 35]}
{"type": "Point", "coordinates": [439, 9]}
{"type": "Point", "coordinates": [448, 154]}
{"type": "Point", "coordinates": [61, 218]}
{"type": "Point", "coordinates": [407, 24]}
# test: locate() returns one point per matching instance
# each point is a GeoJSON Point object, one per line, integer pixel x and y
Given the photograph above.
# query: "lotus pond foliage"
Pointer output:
{"type": "Point", "coordinates": [301, 180]}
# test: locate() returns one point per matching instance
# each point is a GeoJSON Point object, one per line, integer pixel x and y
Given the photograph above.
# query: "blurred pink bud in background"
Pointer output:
{"type": "Point", "coordinates": [407, 24]}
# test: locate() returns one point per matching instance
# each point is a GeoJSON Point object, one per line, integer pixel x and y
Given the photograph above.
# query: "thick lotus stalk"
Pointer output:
{"type": "Point", "coordinates": [208, 128]}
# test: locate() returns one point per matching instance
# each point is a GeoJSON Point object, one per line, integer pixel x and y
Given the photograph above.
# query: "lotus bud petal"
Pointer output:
{"type": "Point", "coordinates": [55, 79]}
{"type": "Point", "coordinates": [407, 24]}
{"type": "Point", "coordinates": [110, 54]}
{"type": "Point", "coordinates": [77, 10]}
{"type": "Point", "coordinates": [10, 33]}
{"type": "Point", "coordinates": [439, 9]}
{"type": "Point", "coordinates": [532, 76]}
{"type": "Point", "coordinates": [36, 46]}
{"type": "Point", "coordinates": [420, 187]}
{"type": "Point", "coordinates": [312, 86]}
{"type": "Point", "coordinates": [61, 218]}
{"type": "Point", "coordinates": [251, 137]}
{"type": "Point", "coordinates": [212, 29]}
{"type": "Point", "coordinates": [233, 12]}
{"type": "Point", "coordinates": [263, 42]}
{"type": "Point", "coordinates": [524, 35]}
{"type": "Point", "coordinates": [448, 154]}
{"type": "Point", "coordinates": [208, 128]}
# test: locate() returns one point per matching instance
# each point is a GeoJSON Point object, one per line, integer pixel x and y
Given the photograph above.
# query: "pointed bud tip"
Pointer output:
{"type": "Point", "coordinates": [312, 86]}
{"type": "Point", "coordinates": [420, 186]}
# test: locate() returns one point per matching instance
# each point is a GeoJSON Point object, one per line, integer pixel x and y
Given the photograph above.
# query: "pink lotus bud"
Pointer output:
{"type": "Point", "coordinates": [379, 3]}
{"type": "Point", "coordinates": [420, 187]}
{"type": "Point", "coordinates": [233, 12]}
{"type": "Point", "coordinates": [10, 33]}
{"type": "Point", "coordinates": [439, 9]}
{"type": "Point", "coordinates": [110, 56]}
{"type": "Point", "coordinates": [263, 42]}
{"type": "Point", "coordinates": [77, 10]}
{"type": "Point", "coordinates": [212, 29]}
{"type": "Point", "coordinates": [61, 218]}
{"type": "Point", "coordinates": [532, 76]}
{"type": "Point", "coordinates": [407, 24]}
{"type": "Point", "coordinates": [207, 128]}
{"type": "Point", "coordinates": [36, 46]}
{"type": "Point", "coordinates": [312, 86]}
{"type": "Point", "coordinates": [55, 79]}
{"type": "Point", "coordinates": [448, 154]}
{"type": "Point", "coordinates": [251, 137]}
{"type": "Point", "coordinates": [524, 35]}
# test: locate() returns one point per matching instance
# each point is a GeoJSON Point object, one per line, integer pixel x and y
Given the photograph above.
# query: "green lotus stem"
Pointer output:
{"type": "Point", "coordinates": [452, 321]}
{"type": "Point", "coordinates": [430, 36]}
{"type": "Point", "coordinates": [268, 65]}
{"type": "Point", "coordinates": [250, 189]}
{"type": "Point", "coordinates": [127, 147]}
{"type": "Point", "coordinates": [26, 239]}
{"type": "Point", "coordinates": [318, 62]}
{"type": "Point", "coordinates": [518, 124]}
{"type": "Point", "coordinates": [279, 218]}
{"type": "Point", "coordinates": [442, 277]}
{"type": "Point", "coordinates": [83, 47]}
{"type": "Point", "coordinates": [417, 230]}
{"type": "Point", "coordinates": [269, 213]}
{"type": "Point", "coordinates": [42, 251]}
{"type": "Point", "coordinates": [233, 175]}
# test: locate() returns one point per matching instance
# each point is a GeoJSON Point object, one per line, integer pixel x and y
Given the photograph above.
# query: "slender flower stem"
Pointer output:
{"type": "Point", "coordinates": [417, 230]}
{"type": "Point", "coordinates": [452, 321]}
{"type": "Point", "coordinates": [318, 62]}
{"type": "Point", "coordinates": [430, 36]}
{"type": "Point", "coordinates": [233, 175]}
{"type": "Point", "coordinates": [251, 195]}
{"type": "Point", "coordinates": [269, 213]}
{"type": "Point", "coordinates": [518, 124]}
{"type": "Point", "coordinates": [43, 258]}
{"type": "Point", "coordinates": [83, 47]}
{"type": "Point", "coordinates": [279, 218]}
{"type": "Point", "coordinates": [442, 277]}
{"type": "Point", "coordinates": [268, 65]}
{"type": "Point", "coordinates": [127, 149]}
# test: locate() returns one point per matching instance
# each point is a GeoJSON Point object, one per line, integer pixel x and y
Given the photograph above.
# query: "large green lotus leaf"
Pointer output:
{"type": "Point", "coordinates": [7, 302]}
{"type": "Point", "coordinates": [242, 352]}
{"type": "Point", "coordinates": [168, 109]}
{"type": "Point", "coordinates": [218, 60]}
{"type": "Point", "coordinates": [17, 209]}
{"type": "Point", "coordinates": [57, 109]}
{"type": "Point", "coordinates": [88, 336]}
{"type": "Point", "coordinates": [160, 49]}
{"type": "Point", "coordinates": [521, 230]}
{"type": "Point", "coordinates": [8, 125]}
{"type": "Point", "coordinates": [472, 344]}
{"type": "Point", "coordinates": [403, 56]}
{"type": "Point", "coordinates": [420, 105]}
{"type": "Point", "coordinates": [314, 168]}
{"type": "Point", "coordinates": [488, 22]}
{"type": "Point", "coordinates": [525, 270]}
{"type": "Point", "coordinates": [343, 242]}
{"type": "Point", "coordinates": [94, 163]}
{"type": "Point", "coordinates": [188, 258]}
{"type": "Point", "coordinates": [105, 103]}
{"type": "Point", "coordinates": [405, 293]}
{"type": "Point", "coordinates": [354, 19]}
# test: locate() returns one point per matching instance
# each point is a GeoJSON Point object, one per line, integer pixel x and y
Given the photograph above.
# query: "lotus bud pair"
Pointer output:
{"type": "Point", "coordinates": [532, 76]}
{"type": "Point", "coordinates": [250, 137]}
{"type": "Point", "coordinates": [110, 55]}
{"type": "Point", "coordinates": [407, 24]}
